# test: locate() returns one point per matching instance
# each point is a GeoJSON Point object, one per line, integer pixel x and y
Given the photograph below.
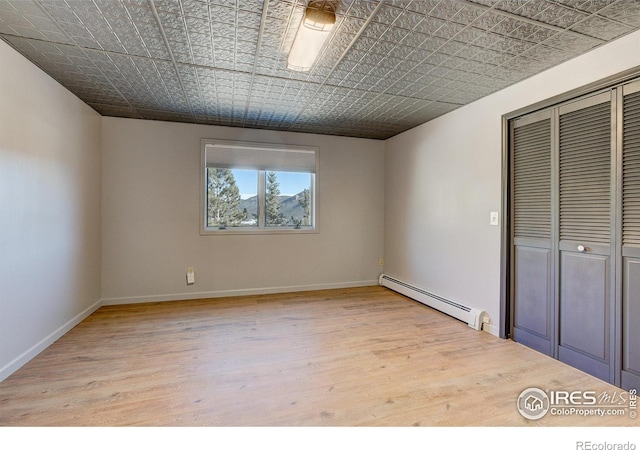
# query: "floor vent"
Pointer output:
{"type": "Point", "coordinates": [471, 316]}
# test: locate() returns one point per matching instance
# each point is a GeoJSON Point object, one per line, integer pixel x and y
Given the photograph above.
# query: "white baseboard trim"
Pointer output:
{"type": "Point", "coordinates": [491, 329]}
{"type": "Point", "coordinates": [31, 353]}
{"type": "Point", "coordinates": [233, 292]}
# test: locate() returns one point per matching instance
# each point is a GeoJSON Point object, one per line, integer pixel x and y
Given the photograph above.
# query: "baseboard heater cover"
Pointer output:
{"type": "Point", "coordinates": [471, 316]}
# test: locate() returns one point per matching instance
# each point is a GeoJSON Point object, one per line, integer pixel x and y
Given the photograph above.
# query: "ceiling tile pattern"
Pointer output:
{"type": "Point", "coordinates": [388, 66]}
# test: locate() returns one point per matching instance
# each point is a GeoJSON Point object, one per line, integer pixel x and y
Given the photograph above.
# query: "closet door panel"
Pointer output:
{"type": "Point", "coordinates": [585, 198]}
{"type": "Point", "coordinates": [533, 317]}
{"type": "Point", "coordinates": [584, 312]}
{"type": "Point", "coordinates": [631, 238]}
{"type": "Point", "coordinates": [631, 327]}
{"type": "Point", "coordinates": [533, 292]}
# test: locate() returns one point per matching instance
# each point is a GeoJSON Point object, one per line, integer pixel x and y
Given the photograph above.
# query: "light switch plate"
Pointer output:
{"type": "Point", "coordinates": [494, 218]}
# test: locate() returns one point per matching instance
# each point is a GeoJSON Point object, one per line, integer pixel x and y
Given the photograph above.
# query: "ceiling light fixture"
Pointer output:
{"type": "Point", "coordinates": [314, 30]}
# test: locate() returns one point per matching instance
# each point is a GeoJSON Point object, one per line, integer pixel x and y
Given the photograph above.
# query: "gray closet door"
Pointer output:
{"type": "Point", "coordinates": [631, 238]}
{"type": "Point", "coordinates": [585, 250]}
{"type": "Point", "coordinates": [532, 290]}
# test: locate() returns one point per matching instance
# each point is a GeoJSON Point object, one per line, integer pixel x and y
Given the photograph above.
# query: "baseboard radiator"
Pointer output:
{"type": "Point", "coordinates": [471, 316]}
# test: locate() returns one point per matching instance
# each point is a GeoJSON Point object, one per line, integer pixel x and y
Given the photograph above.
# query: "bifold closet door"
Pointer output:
{"type": "Point", "coordinates": [586, 289]}
{"type": "Point", "coordinates": [533, 301]}
{"type": "Point", "coordinates": [575, 224]}
{"type": "Point", "coordinates": [631, 238]}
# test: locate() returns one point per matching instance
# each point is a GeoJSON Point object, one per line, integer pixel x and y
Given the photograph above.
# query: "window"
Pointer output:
{"type": "Point", "coordinates": [257, 188]}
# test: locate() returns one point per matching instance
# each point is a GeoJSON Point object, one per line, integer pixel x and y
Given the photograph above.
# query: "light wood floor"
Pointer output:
{"type": "Point", "coordinates": [347, 357]}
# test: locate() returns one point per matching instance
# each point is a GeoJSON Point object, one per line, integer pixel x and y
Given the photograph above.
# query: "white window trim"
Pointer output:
{"type": "Point", "coordinates": [261, 229]}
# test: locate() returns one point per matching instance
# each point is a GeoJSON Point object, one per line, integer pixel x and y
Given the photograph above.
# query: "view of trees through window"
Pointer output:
{"type": "Point", "coordinates": [233, 198]}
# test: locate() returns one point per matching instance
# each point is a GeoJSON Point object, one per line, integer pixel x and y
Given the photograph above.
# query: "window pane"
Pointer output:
{"type": "Point", "coordinates": [232, 198]}
{"type": "Point", "coordinates": [288, 199]}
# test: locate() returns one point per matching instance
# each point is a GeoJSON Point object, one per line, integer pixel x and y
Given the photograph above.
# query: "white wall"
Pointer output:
{"type": "Point", "coordinates": [151, 192]}
{"type": "Point", "coordinates": [49, 210]}
{"type": "Point", "coordinates": [443, 178]}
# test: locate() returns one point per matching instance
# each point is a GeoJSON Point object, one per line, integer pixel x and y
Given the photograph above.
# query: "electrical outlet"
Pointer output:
{"type": "Point", "coordinates": [381, 261]}
{"type": "Point", "coordinates": [191, 276]}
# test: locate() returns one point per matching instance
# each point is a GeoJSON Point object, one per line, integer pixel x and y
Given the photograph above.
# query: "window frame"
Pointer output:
{"type": "Point", "coordinates": [261, 228]}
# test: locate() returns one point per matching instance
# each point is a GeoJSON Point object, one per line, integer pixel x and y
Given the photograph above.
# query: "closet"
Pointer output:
{"type": "Point", "coordinates": [574, 196]}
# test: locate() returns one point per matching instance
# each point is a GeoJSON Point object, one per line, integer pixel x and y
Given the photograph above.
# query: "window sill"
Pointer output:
{"type": "Point", "coordinates": [256, 231]}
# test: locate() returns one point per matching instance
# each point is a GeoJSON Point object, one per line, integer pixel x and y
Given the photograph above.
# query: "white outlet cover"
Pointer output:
{"type": "Point", "coordinates": [494, 218]}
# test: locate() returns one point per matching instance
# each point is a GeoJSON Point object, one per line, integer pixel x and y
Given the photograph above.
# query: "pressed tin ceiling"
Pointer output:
{"type": "Point", "coordinates": [388, 66]}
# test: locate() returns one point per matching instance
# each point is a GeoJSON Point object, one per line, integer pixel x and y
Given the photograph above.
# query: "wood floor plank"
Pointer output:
{"type": "Point", "coordinates": [344, 357]}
